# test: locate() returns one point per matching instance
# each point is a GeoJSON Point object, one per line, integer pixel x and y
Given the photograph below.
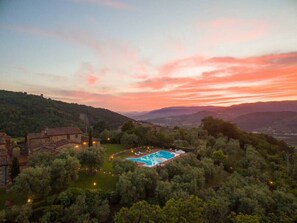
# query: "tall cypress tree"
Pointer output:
{"type": "Point", "coordinates": [15, 168]}
{"type": "Point", "coordinates": [90, 138]}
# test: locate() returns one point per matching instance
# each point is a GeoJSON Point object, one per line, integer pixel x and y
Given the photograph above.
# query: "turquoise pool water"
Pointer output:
{"type": "Point", "coordinates": [153, 159]}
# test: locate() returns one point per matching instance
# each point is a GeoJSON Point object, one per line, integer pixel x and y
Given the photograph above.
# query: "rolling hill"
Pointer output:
{"type": "Point", "coordinates": [183, 120]}
{"type": "Point", "coordinates": [274, 106]}
{"type": "Point", "coordinates": [21, 113]}
{"type": "Point", "coordinates": [278, 119]}
{"type": "Point", "coordinates": [170, 111]}
{"type": "Point", "coordinates": [226, 112]}
{"type": "Point", "coordinates": [285, 121]}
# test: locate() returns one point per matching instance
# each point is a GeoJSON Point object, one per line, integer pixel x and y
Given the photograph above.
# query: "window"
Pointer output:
{"type": "Point", "coordinates": [68, 136]}
{"type": "Point", "coordinates": [76, 135]}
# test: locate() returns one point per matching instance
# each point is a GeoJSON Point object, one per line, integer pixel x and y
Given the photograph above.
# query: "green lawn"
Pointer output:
{"type": "Point", "coordinates": [109, 150]}
{"type": "Point", "coordinates": [15, 197]}
{"type": "Point", "coordinates": [105, 182]}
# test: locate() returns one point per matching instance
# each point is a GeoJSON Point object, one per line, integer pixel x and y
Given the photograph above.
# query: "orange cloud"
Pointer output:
{"type": "Point", "coordinates": [175, 65]}
{"type": "Point", "coordinates": [193, 80]}
{"type": "Point", "coordinates": [263, 78]}
{"type": "Point", "coordinates": [268, 77]}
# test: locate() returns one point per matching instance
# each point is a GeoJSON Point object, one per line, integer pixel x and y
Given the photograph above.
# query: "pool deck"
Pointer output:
{"type": "Point", "coordinates": [145, 153]}
{"type": "Point", "coordinates": [139, 164]}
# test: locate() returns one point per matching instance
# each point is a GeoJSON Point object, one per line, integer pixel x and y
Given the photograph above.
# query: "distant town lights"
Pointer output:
{"type": "Point", "coordinates": [29, 200]}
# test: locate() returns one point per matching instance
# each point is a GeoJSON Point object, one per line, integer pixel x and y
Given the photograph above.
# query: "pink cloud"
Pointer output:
{"type": "Point", "coordinates": [91, 79]}
{"type": "Point", "coordinates": [262, 78]}
{"type": "Point", "coordinates": [90, 74]}
{"type": "Point", "coordinates": [267, 77]}
{"type": "Point", "coordinates": [178, 64]}
{"type": "Point", "coordinates": [233, 30]}
{"type": "Point", "coordinates": [229, 80]}
{"type": "Point", "coordinates": [161, 82]}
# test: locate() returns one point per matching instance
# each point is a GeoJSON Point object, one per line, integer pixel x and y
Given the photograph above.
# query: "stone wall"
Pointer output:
{"type": "Point", "coordinates": [73, 138]}
{"type": "Point", "coordinates": [4, 175]}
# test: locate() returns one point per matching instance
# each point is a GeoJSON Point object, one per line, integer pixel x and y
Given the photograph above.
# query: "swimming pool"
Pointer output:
{"type": "Point", "coordinates": [154, 159]}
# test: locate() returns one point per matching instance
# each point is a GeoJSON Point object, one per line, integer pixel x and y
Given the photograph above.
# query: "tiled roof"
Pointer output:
{"type": "Point", "coordinates": [52, 146]}
{"type": "Point", "coordinates": [45, 147]}
{"type": "Point", "coordinates": [63, 131]}
{"type": "Point", "coordinates": [2, 140]}
{"type": "Point", "coordinates": [35, 135]}
{"type": "Point", "coordinates": [33, 147]}
{"type": "Point", "coordinates": [54, 132]}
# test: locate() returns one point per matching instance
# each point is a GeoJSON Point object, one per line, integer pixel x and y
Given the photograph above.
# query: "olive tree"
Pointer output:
{"type": "Point", "coordinates": [91, 158]}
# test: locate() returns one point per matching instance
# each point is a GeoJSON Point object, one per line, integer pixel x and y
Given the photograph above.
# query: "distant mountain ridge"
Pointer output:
{"type": "Point", "coordinates": [231, 111]}
{"type": "Point", "coordinates": [21, 113]}
{"type": "Point", "coordinates": [172, 111]}
{"type": "Point", "coordinates": [284, 121]}
{"type": "Point", "coordinates": [274, 106]}
{"type": "Point", "coordinates": [278, 119]}
{"type": "Point", "coordinates": [183, 120]}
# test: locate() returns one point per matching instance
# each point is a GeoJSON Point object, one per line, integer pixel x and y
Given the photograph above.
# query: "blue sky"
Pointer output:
{"type": "Point", "coordinates": [141, 55]}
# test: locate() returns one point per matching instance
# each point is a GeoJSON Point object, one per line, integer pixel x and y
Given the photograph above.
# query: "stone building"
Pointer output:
{"type": "Point", "coordinates": [5, 161]}
{"type": "Point", "coordinates": [54, 139]}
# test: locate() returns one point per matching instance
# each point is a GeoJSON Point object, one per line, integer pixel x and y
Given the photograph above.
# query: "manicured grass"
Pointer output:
{"type": "Point", "coordinates": [16, 198]}
{"type": "Point", "coordinates": [109, 150]}
{"type": "Point", "coordinates": [103, 181]}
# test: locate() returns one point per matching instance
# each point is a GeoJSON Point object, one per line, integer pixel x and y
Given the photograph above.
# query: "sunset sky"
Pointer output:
{"type": "Point", "coordinates": [139, 55]}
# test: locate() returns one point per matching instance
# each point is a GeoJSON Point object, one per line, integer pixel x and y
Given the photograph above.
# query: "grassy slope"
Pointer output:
{"type": "Point", "coordinates": [109, 150]}
{"type": "Point", "coordinates": [103, 181]}
{"type": "Point", "coordinates": [15, 197]}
